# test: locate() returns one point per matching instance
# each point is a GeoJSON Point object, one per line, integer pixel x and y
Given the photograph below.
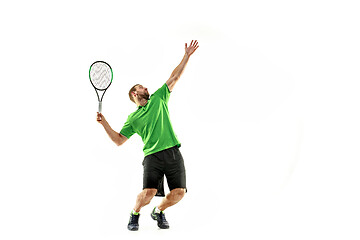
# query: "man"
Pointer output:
{"type": "Point", "coordinates": [161, 147]}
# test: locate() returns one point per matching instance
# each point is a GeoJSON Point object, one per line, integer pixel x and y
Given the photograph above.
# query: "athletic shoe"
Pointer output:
{"type": "Point", "coordinates": [134, 222]}
{"type": "Point", "coordinates": [160, 218]}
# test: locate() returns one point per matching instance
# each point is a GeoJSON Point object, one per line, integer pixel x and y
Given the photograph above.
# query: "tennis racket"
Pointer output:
{"type": "Point", "coordinates": [101, 76]}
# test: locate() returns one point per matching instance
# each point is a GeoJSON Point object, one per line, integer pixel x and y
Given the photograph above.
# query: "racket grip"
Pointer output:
{"type": "Point", "coordinates": [100, 107]}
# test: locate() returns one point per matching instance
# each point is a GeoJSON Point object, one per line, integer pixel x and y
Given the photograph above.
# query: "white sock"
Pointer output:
{"type": "Point", "coordinates": [157, 210]}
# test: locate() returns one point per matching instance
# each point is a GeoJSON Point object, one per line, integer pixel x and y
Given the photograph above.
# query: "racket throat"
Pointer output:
{"type": "Point", "coordinates": [100, 95]}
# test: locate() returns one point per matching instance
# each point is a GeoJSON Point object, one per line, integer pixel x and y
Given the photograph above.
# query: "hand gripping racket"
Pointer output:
{"type": "Point", "coordinates": [101, 76]}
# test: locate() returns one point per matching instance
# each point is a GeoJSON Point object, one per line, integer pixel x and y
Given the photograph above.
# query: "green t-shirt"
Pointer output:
{"type": "Point", "coordinates": [152, 123]}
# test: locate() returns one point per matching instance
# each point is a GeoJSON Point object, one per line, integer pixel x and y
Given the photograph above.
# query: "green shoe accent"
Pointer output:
{"type": "Point", "coordinates": [134, 213]}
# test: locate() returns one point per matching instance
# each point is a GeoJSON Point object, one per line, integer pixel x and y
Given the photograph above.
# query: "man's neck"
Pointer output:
{"type": "Point", "coordinates": [141, 102]}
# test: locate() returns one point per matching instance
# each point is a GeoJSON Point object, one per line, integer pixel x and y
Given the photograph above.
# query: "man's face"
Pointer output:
{"type": "Point", "coordinates": [142, 92]}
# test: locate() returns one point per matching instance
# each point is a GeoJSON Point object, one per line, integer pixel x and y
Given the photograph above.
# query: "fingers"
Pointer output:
{"type": "Point", "coordinates": [192, 44]}
{"type": "Point", "coordinates": [99, 117]}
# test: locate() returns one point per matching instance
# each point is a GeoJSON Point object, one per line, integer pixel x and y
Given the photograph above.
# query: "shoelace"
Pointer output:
{"type": "Point", "coordinates": [134, 218]}
{"type": "Point", "coordinates": [162, 216]}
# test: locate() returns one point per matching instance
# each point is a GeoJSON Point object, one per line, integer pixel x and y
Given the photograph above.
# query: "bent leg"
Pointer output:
{"type": "Point", "coordinates": [144, 198]}
{"type": "Point", "coordinates": [172, 198]}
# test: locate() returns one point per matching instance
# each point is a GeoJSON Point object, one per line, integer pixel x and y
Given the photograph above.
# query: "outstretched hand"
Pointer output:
{"type": "Point", "coordinates": [192, 48]}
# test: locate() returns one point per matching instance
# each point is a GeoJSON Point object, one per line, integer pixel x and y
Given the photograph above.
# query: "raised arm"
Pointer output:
{"type": "Point", "coordinates": [116, 137]}
{"type": "Point", "coordinates": [175, 75]}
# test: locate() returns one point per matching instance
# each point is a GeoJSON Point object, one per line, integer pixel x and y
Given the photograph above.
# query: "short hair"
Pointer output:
{"type": "Point", "coordinates": [133, 89]}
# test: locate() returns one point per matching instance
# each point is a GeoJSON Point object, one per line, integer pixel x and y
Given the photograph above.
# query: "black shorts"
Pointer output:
{"type": "Point", "coordinates": [168, 162]}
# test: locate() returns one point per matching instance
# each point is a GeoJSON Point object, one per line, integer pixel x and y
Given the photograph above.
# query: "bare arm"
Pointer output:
{"type": "Point", "coordinates": [175, 75]}
{"type": "Point", "coordinates": [116, 137]}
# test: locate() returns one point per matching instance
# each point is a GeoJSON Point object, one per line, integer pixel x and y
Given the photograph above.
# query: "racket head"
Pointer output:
{"type": "Point", "coordinates": [100, 75]}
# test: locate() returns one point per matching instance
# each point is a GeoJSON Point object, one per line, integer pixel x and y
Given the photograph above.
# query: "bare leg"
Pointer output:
{"type": "Point", "coordinates": [172, 198]}
{"type": "Point", "coordinates": [144, 198]}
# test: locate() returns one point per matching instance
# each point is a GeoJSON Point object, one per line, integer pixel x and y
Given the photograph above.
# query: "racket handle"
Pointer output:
{"type": "Point", "coordinates": [100, 107]}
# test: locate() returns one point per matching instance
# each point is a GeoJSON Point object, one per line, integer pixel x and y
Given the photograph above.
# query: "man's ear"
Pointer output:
{"type": "Point", "coordinates": [134, 94]}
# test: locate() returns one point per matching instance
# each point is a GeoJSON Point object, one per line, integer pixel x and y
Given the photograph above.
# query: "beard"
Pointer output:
{"type": "Point", "coordinates": [144, 96]}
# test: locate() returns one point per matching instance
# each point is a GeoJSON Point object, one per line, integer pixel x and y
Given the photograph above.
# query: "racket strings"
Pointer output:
{"type": "Point", "coordinates": [100, 75]}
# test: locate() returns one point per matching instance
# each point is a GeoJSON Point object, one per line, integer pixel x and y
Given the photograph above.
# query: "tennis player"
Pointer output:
{"type": "Point", "coordinates": [161, 146]}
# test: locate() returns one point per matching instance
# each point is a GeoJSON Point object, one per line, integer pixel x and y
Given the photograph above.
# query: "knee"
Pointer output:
{"type": "Point", "coordinates": [178, 193]}
{"type": "Point", "coordinates": [148, 194]}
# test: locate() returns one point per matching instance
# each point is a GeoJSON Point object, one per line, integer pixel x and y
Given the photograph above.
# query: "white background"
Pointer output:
{"type": "Point", "coordinates": [267, 111]}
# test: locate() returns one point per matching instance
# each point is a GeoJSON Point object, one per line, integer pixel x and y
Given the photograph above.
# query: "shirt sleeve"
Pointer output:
{"type": "Point", "coordinates": [127, 129]}
{"type": "Point", "coordinates": [163, 93]}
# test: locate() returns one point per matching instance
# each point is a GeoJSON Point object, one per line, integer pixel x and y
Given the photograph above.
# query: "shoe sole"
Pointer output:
{"type": "Point", "coordinates": [133, 229]}
{"type": "Point", "coordinates": [163, 227]}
